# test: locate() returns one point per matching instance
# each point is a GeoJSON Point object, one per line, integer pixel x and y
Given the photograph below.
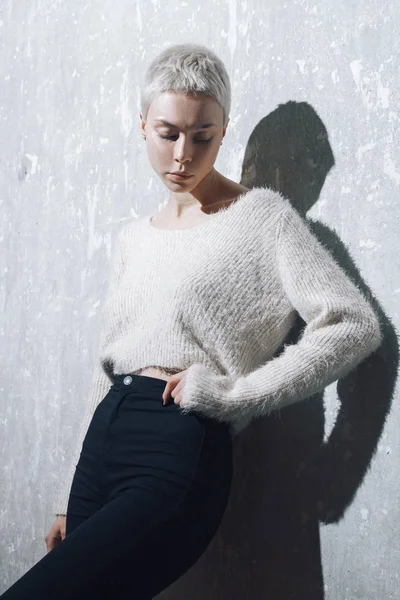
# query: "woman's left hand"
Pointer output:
{"type": "Point", "coordinates": [174, 387]}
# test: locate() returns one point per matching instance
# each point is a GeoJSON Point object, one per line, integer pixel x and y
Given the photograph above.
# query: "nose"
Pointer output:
{"type": "Point", "coordinates": [183, 151]}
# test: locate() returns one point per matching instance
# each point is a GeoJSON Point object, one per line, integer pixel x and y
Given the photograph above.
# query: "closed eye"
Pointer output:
{"type": "Point", "coordinates": [170, 138]}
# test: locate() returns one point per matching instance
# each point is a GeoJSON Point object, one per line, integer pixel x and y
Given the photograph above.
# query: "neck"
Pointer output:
{"type": "Point", "coordinates": [206, 193]}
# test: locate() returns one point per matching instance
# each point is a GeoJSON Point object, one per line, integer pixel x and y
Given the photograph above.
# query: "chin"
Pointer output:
{"type": "Point", "coordinates": [189, 183]}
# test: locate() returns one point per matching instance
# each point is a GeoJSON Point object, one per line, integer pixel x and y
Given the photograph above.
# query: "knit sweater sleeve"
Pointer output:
{"type": "Point", "coordinates": [100, 384]}
{"type": "Point", "coordinates": [341, 330]}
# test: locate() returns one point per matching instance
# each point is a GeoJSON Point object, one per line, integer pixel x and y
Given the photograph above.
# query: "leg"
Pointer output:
{"type": "Point", "coordinates": [91, 552]}
{"type": "Point", "coordinates": [134, 546]}
{"type": "Point", "coordinates": [172, 548]}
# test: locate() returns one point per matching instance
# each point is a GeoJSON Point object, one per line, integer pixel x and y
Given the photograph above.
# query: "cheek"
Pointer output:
{"type": "Point", "coordinates": [157, 152]}
{"type": "Point", "coordinates": [211, 154]}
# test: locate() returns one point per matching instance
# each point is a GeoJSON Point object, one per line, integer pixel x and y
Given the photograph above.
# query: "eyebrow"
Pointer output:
{"type": "Point", "coordinates": [200, 125]}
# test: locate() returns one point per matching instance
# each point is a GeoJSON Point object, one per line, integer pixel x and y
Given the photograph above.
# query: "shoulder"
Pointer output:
{"type": "Point", "coordinates": [269, 199]}
{"type": "Point", "coordinates": [277, 210]}
{"type": "Point", "coordinates": [126, 232]}
{"type": "Point", "coordinates": [265, 208]}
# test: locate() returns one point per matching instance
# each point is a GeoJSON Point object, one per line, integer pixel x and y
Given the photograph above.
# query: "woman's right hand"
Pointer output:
{"type": "Point", "coordinates": [56, 533]}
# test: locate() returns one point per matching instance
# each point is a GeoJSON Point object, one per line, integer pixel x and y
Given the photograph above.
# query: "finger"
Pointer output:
{"type": "Point", "coordinates": [48, 542]}
{"type": "Point", "coordinates": [51, 542]}
{"type": "Point", "coordinates": [166, 391]}
{"type": "Point", "coordinates": [170, 386]}
{"type": "Point", "coordinates": [177, 393]}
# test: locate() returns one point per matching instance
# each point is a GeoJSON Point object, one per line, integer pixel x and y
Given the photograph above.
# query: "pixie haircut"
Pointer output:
{"type": "Point", "coordinates": [188, 68]}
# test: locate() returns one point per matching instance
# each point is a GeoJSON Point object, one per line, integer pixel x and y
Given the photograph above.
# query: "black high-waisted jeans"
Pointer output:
{"type": "Point", "coordinates": [149, 492]}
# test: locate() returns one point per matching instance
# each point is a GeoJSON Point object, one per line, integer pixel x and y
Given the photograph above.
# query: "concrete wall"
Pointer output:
{"type": "Point", "coordinates": [314, 511]}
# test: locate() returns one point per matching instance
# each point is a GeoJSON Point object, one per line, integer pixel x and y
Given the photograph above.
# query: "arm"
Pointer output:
{"type": "Point", "coordinates": [100, 384]}
{"type": "Point", "coordinates": [341, 330]}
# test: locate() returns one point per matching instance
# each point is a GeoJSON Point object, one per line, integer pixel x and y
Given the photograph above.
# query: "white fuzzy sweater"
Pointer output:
{"type": "Point", "coordinates": [219, 298]}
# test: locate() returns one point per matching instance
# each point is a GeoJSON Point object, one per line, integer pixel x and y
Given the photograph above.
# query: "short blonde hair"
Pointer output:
{"type": "Point", "coordinates": [189, 68]}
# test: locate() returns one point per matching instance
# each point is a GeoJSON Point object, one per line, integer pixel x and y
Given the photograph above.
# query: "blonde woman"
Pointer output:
{"type": "Point", "coordinates": [201, 296]}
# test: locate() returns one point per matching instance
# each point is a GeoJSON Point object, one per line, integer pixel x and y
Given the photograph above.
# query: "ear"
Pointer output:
{"type": "Point", "coordinates": [142, 123]}
{"type": "Point", "coordinates": [225, 128]}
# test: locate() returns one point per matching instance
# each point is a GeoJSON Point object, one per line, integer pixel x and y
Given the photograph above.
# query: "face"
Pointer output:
{"type": "Point", "coordinates": [183, 134]}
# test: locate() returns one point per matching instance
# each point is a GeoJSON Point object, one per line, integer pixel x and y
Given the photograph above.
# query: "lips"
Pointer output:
{"type": "Point", "coordinates": [181, 175]}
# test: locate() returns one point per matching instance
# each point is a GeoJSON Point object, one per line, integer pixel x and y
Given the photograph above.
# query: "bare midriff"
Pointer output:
{"type": "Point", "coordinates": [157, 372]}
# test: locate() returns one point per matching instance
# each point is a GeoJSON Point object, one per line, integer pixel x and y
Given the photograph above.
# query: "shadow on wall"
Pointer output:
{"type": "Point", "coordinates": [287, 479]}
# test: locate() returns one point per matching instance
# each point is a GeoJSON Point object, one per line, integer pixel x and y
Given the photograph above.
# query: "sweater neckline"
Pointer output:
{"type": "Point", "coordinates": [215, 217]}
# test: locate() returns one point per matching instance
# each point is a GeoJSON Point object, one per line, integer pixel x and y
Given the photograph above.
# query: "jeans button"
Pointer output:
{"type": "Point", "coordinates": [127, 380]}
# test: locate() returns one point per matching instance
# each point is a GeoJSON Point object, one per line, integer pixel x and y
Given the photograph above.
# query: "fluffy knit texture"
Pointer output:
{"type": "Point", "coordinates": [219, 299]}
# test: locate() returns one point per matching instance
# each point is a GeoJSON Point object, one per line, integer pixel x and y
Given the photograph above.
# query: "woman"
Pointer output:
{"type": "Point", "coordinates": [202, 295]}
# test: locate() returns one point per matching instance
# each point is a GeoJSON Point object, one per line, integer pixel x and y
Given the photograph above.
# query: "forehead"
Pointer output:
{"type": "Point", "coordinates": [181, 110]}
{"type": "Point", "coordinates": [198, 125]}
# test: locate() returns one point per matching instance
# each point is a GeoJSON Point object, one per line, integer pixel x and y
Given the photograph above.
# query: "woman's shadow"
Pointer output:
{"type": "Point", "coordinates": [287, 477]}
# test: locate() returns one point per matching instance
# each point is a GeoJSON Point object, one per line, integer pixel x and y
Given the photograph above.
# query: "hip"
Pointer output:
{"type": "Point", "coordinates": [133, 434]}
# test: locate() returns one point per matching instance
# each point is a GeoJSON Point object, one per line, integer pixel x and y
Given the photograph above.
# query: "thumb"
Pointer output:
{"type": "Point", "coordinates": [52, 540]}
{"type": "Point", "coordinates": [55, 535]}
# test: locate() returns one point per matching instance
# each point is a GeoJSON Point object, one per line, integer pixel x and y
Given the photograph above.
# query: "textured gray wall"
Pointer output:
{"type": "Point", "coordinates": [315, 501]}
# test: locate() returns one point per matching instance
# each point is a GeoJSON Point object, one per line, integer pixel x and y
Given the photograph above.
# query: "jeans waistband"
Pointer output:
{"type": "Point", "coordinates": [131, 379]}
{"type": "Point", "coordinates": [145, 382]}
